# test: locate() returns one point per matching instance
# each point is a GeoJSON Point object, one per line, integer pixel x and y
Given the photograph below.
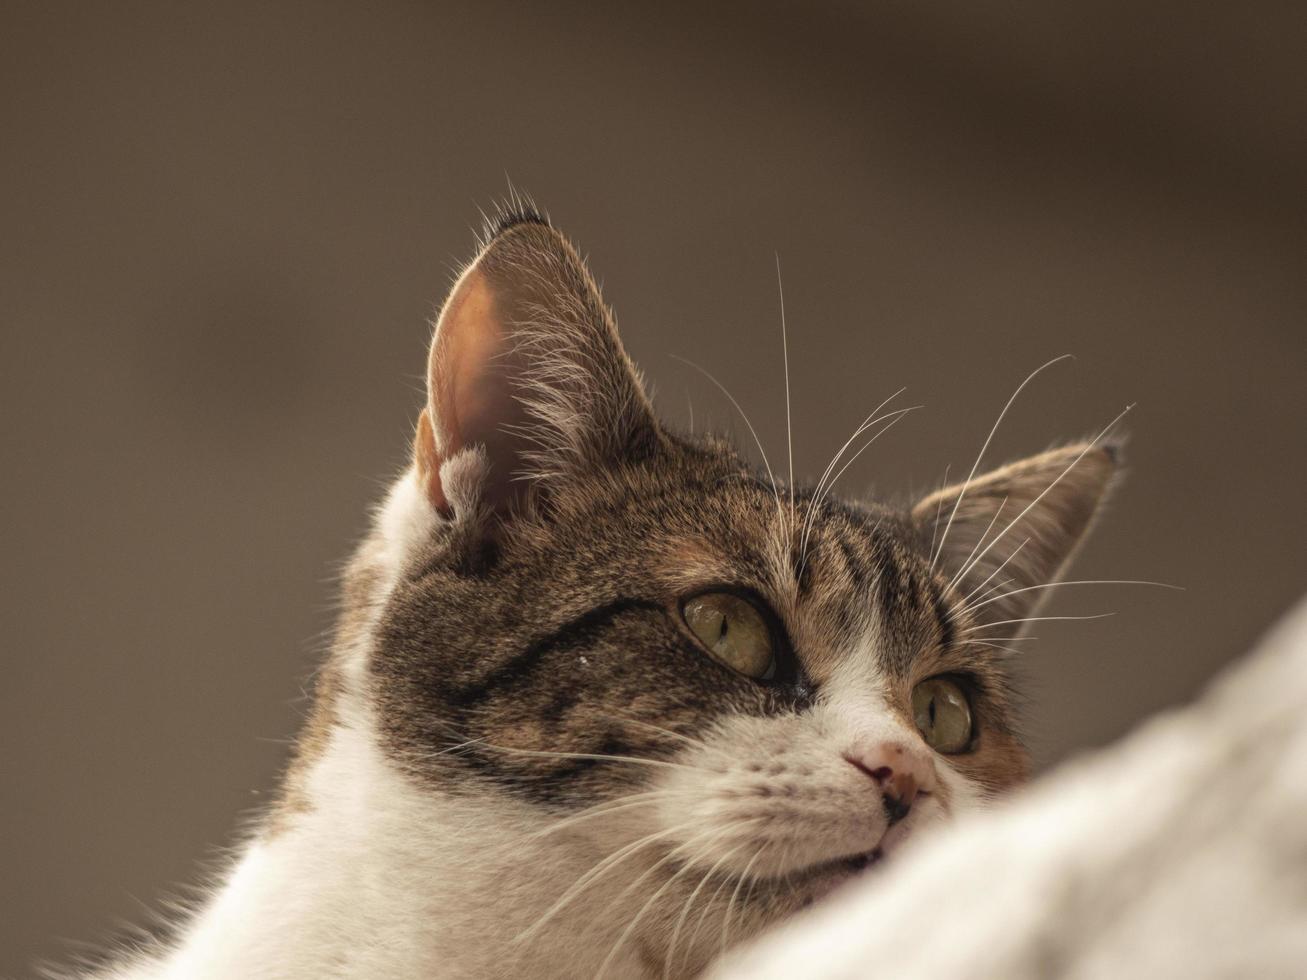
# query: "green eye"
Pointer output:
{"type": "Point", "coordinates": [733, 631]}
{"type": "Point", "coordinates": [943, 714]}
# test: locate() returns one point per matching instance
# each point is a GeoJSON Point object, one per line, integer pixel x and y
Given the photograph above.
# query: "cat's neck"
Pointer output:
{"type": "Point", "coordinates": [375, 877]}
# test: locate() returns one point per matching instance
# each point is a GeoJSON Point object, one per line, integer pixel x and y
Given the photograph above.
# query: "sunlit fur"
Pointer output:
{"type": "Point", "coordinates": [521, 763]}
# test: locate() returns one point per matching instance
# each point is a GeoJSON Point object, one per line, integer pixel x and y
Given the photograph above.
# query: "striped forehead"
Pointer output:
{"type": "Point", "coordinates": [863, 579]}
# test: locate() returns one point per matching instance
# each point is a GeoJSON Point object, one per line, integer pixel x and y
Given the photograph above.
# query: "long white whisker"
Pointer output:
{"type": "Point", "coordinates": [676, 931]}
{"type": "Point", "coordinates": [601, 868]}
{"type": "Point", "coordinates": [819, 494]}
{"type": "Point", "coordinates": [815, 505]}
{"type": "Point", "coordinates": [597, 756]}
{"type": "Point", "coordinates": [630, 927]}
{"type": "Point", "coordinates": [752, 431]}
{"type": "Point", "coordinates": [895, 418]}
{"type": "Point", "coordinates": [1058, 585]}
{"type": "Point", "coordinates": [862, 427]}
{"type": "Point", "coordinates": [1036, 619]}
{"type": "Point", "coordinates": [981, 455]}
{"type": "Point", "coordinates": [726, 880]}
{"type": "Point", "coordinates": [981, 540]}
{"type": "Point", "coordinates": [993, 589]}
{"type": "Point", "coordinates": [785, 348]}
{"type": "Point", "coordinates": [451, 748]}
{"type": "Point", "coordinates": [1058, 479]}
{"type": "Point", "coordinates": [998, 646]}
{"type": "Point", "coordinates": [730, 906]}
{"type": "Point", "coordinates": [602, 810]}
{"type": "Point", "coordinates": [1015, 551]}
{"type": "Point", "coordinates": [696, 742]}
{"type": "Point", "coordinates": [939, 508]}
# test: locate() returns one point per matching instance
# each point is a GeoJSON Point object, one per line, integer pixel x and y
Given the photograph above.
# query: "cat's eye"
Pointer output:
{"type": "Point", "coordinates": [943, 714]}
{"type": "Point", "coordinates": [733, 631]}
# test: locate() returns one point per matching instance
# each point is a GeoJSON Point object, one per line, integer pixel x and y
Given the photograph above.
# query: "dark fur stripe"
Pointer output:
{"type": "Point", "coordinates": [518, 667]}
{"type": "Point", "coordinates": [947, 631]}
{"type": "Point", "coordinates": [888, 578]}
{"type": "Point", "coordinates": [544, 780]}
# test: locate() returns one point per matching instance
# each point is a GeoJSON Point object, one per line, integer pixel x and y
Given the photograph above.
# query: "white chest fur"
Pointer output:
{"type": "Point", "coordinates": [382, 878]}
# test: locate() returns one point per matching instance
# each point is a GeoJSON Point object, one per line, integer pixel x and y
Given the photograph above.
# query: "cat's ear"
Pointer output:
{"type": "Point", "coordinates": [526, 364]}
{"type": "Point", "coordinates": [1016, 527]}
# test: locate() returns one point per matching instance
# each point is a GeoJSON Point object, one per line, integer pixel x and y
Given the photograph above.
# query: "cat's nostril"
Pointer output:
{"type": "Point", "coordinates": [878, 773]}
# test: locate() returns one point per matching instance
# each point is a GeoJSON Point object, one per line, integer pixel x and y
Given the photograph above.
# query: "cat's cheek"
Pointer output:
{"type": "Point", "coordinates": [999, 765]}
{"type": "Point", "coordinates": [926, 815]}
{"type": "Point", "coordinates": [959, 792]}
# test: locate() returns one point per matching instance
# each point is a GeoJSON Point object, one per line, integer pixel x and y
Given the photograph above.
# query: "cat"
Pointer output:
{"type": "Point", "coordinates": [605, 699]}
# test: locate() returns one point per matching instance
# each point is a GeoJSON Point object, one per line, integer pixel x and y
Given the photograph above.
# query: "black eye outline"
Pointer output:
{"type": "Point", "coordinates": [784, 667]}
{"type": "Point", "coordinates": [970, 689]}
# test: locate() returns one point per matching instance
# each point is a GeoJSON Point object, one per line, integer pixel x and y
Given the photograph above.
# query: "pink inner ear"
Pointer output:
{"type": "Point", "coordinates": [470, 399]}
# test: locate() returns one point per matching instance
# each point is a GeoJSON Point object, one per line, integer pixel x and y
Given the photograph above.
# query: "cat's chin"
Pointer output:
{"type": "Point", "coordinates": [819, 880]}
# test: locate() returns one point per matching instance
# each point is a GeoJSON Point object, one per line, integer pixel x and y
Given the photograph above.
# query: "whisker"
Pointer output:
{"type": "Point", "coordinates": [991, 590]}
{"type": "Point", "coordinates": [819, 498]}
{"type": "Point", "coordinates": [696, 742]}
{"type": "Point", "coordinates": [748, 895]}
{"type": "Point", "coordinates": [597, 756]}
{"type": "Point", "coordinates": [603, 809]}
{"type": "Point", "coordinates": [1056, 480]}
{"type": "Point", "coordinates": [862, 427]}
{"type": "Point", "coordinates": [1036, 619]}
{"type": "Point", "coordinates": [597, 871]}
{"type": "Point", "coordinates": [668, 958]}
{"type": "Point", "coordinates": [999, 646]}
{"type": "Point", "coordinates": [827, 482]}
{"type": "Point", "coordinates": [726, 880]}
{"type": "Point", "coordinates": [981, 455]}
{"type": "Point", "coordinates": [730, 906]}
{"type": "Point", "coordinates": [939, 508]}
{"type": "Point", "coordinates": [897, 416]}
{"type": "Point", "coordinates": [1015, 551]}
{"type": "Point", "coordinates": [1058, 585]}
{"type": "Point", "coordinates": [988, 527]}
{"type": "Point", "coordinates": [451, 748]}
{"type": "Point", "coordinates": [785, 348]}
{"type": "Point", "coordinates": [630, 927]}
{"type": "Point", "coordinates": [752, 431]}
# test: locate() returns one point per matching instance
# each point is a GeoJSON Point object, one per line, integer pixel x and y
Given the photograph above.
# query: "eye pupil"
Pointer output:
{"type": "Point", "coordinates": [932, 712]}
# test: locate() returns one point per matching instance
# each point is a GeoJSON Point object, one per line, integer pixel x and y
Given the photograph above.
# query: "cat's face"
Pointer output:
{"type": "Point", "coordinates": [734, 694]}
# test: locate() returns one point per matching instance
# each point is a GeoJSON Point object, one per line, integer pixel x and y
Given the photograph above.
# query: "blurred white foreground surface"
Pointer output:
{"type": "Point", "coordinates": [1179, 852]}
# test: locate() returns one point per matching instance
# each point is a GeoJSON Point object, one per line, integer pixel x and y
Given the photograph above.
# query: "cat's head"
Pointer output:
{"type": "Point", "coordinates": [748, 691]}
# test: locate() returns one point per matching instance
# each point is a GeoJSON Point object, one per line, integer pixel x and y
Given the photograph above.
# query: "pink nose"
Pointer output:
{"type": "Point", "coordinates": [901, 773]}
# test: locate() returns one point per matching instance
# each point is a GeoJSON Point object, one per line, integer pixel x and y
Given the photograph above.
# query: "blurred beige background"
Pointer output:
{"type": "Point", "coordinates": [223, 232]}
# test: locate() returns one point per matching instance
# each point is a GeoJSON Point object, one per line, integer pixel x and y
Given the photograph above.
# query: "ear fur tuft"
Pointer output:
{"type": "Point", "coordinates": [526, 362]}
